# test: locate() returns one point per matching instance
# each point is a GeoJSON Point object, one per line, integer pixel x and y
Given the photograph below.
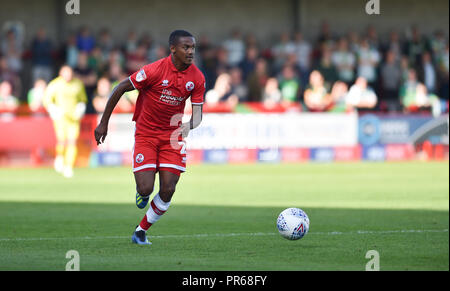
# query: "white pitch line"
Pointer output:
{"type": "Point", "coordinates": [227, 235]}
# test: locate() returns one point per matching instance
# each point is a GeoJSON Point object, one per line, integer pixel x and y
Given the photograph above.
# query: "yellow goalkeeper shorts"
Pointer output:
{"type": "Point", "coordinates": [66, 130]}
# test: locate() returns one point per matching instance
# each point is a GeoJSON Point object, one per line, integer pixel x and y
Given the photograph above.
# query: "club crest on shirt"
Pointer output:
{"type": "Point", "coordinates": [141, 76]}
{"type": "Point", "coordinates": [189, 86]}
{"type": "Point", "coordinates": [165, 82]}
{"type": "Point", "coordinates": [139, 158]}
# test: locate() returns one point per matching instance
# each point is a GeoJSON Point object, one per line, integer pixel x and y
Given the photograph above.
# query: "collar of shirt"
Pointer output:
{"type": "Point", "coordinates": [173, 68]}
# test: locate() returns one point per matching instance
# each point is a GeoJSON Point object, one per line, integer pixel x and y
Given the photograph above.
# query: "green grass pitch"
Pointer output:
{"type": "Point", "coordinates": [223, 217]}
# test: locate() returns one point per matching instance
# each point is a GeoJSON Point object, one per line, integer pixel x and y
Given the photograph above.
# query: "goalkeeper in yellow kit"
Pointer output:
{"type": "Point", "coordinates": [65, 100]}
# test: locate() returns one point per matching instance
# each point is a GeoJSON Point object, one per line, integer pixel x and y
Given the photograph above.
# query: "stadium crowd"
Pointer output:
{"type": "Point", "coordinates": [400, 72]}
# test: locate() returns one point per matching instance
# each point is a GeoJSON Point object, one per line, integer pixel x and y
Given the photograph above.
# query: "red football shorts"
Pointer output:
{"type": "Point", "coordinates": [156, 154]}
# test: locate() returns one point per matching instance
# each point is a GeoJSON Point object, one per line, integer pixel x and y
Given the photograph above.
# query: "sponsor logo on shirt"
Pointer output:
{"type": "Point", "coordinates": [189, 86]}
{"type": "Point", "coordinates": [168, 98]}
{"type": "Point", "coordinates": [141, 76]}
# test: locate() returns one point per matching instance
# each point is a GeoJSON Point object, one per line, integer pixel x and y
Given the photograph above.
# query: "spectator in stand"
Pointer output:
{"type": "Point", "coordinates": [344, 61]}
{"type": "Point", "coordinates": [152, 47]}
{"type": "Point", "coordinates": [8, 102]}
{"type": "Point", "coordinates": [248, 64]}
{"type": "Point", "coordinates": [339, 93]}
{"type": "Point", "coordinates": [115, 72]}
{"type": "Point", "coordinates": [161, 52]}
{"type": "Point", "coordinates": [85, 41]}
{"type": "Point", "coordinates": [105, 43]}
{"type": "Point", "coordinates": [443, 69]}
{"type": "Point", "coordinates": [6, 74]}
{"type": "Point", "coordinates": [316, 97]}
{"type": "Point", "coordinates": [271, 94]}
{"type": "Point", "coordinates": [414, 96]}
{"type": "Point", "coordinates": [71, 51]}
{"type": "Point", "coordinates": [251, 40]}
{"type": "Point", "coordinates": [41, 57]}
{"type": "Point", "coordinates": [303, 51]}
{"type": "Point", "coordinates": [282, 50]}
{"type": "Point", "coordinates": [326, 68]}
{"type": "Point", "coordinates": [372, 37]}
{"type": "Point", "coordinates": [131, 42]}
{"type": "Point", "coordinates": [415, 47]}
{"type": "Point", "coordinates": [11, 48]}
{"type": "Point", "coordinates": [408, 89]}
{"type": "Point", "coordinates": [147, 41]}
{"type": "Point", "coordinates": [128, 101]}
{"type": "Point", "coordinates": [289, 85]}
{"type": "Point", "coordinates": [207, 55]}
{"type": "Point", "coordinates": [237, 84]}
{"type": "Point", "coordinates": [88, 77]}
{"type": "Point", "coordinates": [368, 59]}
{"type": "Point", "coordinates": [221, 61]}
{"type": "Point", "coordinates": [257, 81]}
{"type": "Point", "coordinates": [136, 59]}
{"type": "Point", "coordinates": [35, 96]}
{"type": "Point", "coordinates": [361, 96]}
{"type": "Point", "coordinates": [437, 45]}
{"type": "Point", "coordinates": [95, 61]}
{"type": "Point", "coordinates": [221, 88]}
{"type": "Point", "coordinates": [427, 73]}
{"type": "Point", "coordinates": [102, 94]}
{"type": "Point", "coordinates": [444, 60]}
{"type": "Point", "coordinates": [325, 36]}
{"type": "Point", "coordinates": [235, 48]}
{"type": "Point", "coordinates": [222, 93]}
{"type": "Point", "coordinates": [391, 79]}
{"type": "Point", "coordinates": [404, 68]}
{"type": "Point", "coordinates": [417, 100]}
{"type": "Point", "coordinates": [353, 41]}
{"type": "Point", "coordinates": [115, 58]}
{"type": "Point", "coordinates": [394, 45]}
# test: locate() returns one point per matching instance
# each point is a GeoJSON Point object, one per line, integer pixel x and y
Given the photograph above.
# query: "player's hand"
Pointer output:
{"type": "Point", "coordinates": [100, 133]}
{"type": "Point", "coordinates": [80, 108]}
{"type": "Point", "coordinates": [185, 128]}
{"type": "Point", "coordinates": [55, 112]}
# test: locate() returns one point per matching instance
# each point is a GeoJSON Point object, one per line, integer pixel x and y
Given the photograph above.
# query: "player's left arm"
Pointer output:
{"type": "Point", "coordinates": [197, 98]}
{"type": "Point", "coordinates": [49, 102]}
{"type": "Point", "coordinates": [196, 119]}
{"type": "Point", "coordinates": [80, 108]}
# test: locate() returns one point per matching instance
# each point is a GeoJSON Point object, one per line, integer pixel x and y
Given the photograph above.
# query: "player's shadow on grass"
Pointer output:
{"type": "Point", "coordinates": [36, 236]}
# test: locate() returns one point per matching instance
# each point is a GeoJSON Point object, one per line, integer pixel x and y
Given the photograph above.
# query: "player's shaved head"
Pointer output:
{"type": "Point", "coordinates": [176, 34]}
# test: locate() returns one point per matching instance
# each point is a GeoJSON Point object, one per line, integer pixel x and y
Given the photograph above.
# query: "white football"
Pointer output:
{"type": "Point", "coordinates": [293, 223]}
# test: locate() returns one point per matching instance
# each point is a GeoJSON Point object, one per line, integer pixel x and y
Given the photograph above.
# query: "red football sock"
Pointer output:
{"type": "Point", "coordinates": [145, 225]}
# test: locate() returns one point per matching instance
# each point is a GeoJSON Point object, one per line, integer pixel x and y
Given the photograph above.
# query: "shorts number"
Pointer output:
{"type": "Point", "coordinates": [183, 147]}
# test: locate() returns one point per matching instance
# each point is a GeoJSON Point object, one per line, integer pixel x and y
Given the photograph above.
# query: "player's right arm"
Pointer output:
{"type": "Point", "coordinates": [49, 101]}
{"type": "Point", "coordinates": [102, 129]}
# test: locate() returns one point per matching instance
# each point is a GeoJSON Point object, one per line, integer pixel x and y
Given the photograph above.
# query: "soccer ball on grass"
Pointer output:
{"type": "Point", "coordinates": [293, 223]}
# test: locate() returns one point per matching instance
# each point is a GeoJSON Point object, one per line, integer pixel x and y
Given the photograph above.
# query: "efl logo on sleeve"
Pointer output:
{"type": "Point", "coordinates": [141, 76]}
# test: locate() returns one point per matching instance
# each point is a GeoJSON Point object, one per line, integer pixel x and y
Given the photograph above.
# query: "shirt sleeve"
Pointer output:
{"type": "Point", "coordinates": [49, 95]}
{"type": "Point", "coordinates": [82, 97]}
{"type": "Point", "coordinates": [198, 93]}
{"type": "Point", "coordinates": [143, 78]}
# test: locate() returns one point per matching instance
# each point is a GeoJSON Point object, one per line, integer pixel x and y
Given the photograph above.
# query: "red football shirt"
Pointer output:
{"type": "Point", "coordinates": [163, 91]}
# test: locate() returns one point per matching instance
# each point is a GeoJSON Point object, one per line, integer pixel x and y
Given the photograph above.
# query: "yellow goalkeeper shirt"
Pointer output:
{"type": "Point", "coordinates": [65, 95]}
